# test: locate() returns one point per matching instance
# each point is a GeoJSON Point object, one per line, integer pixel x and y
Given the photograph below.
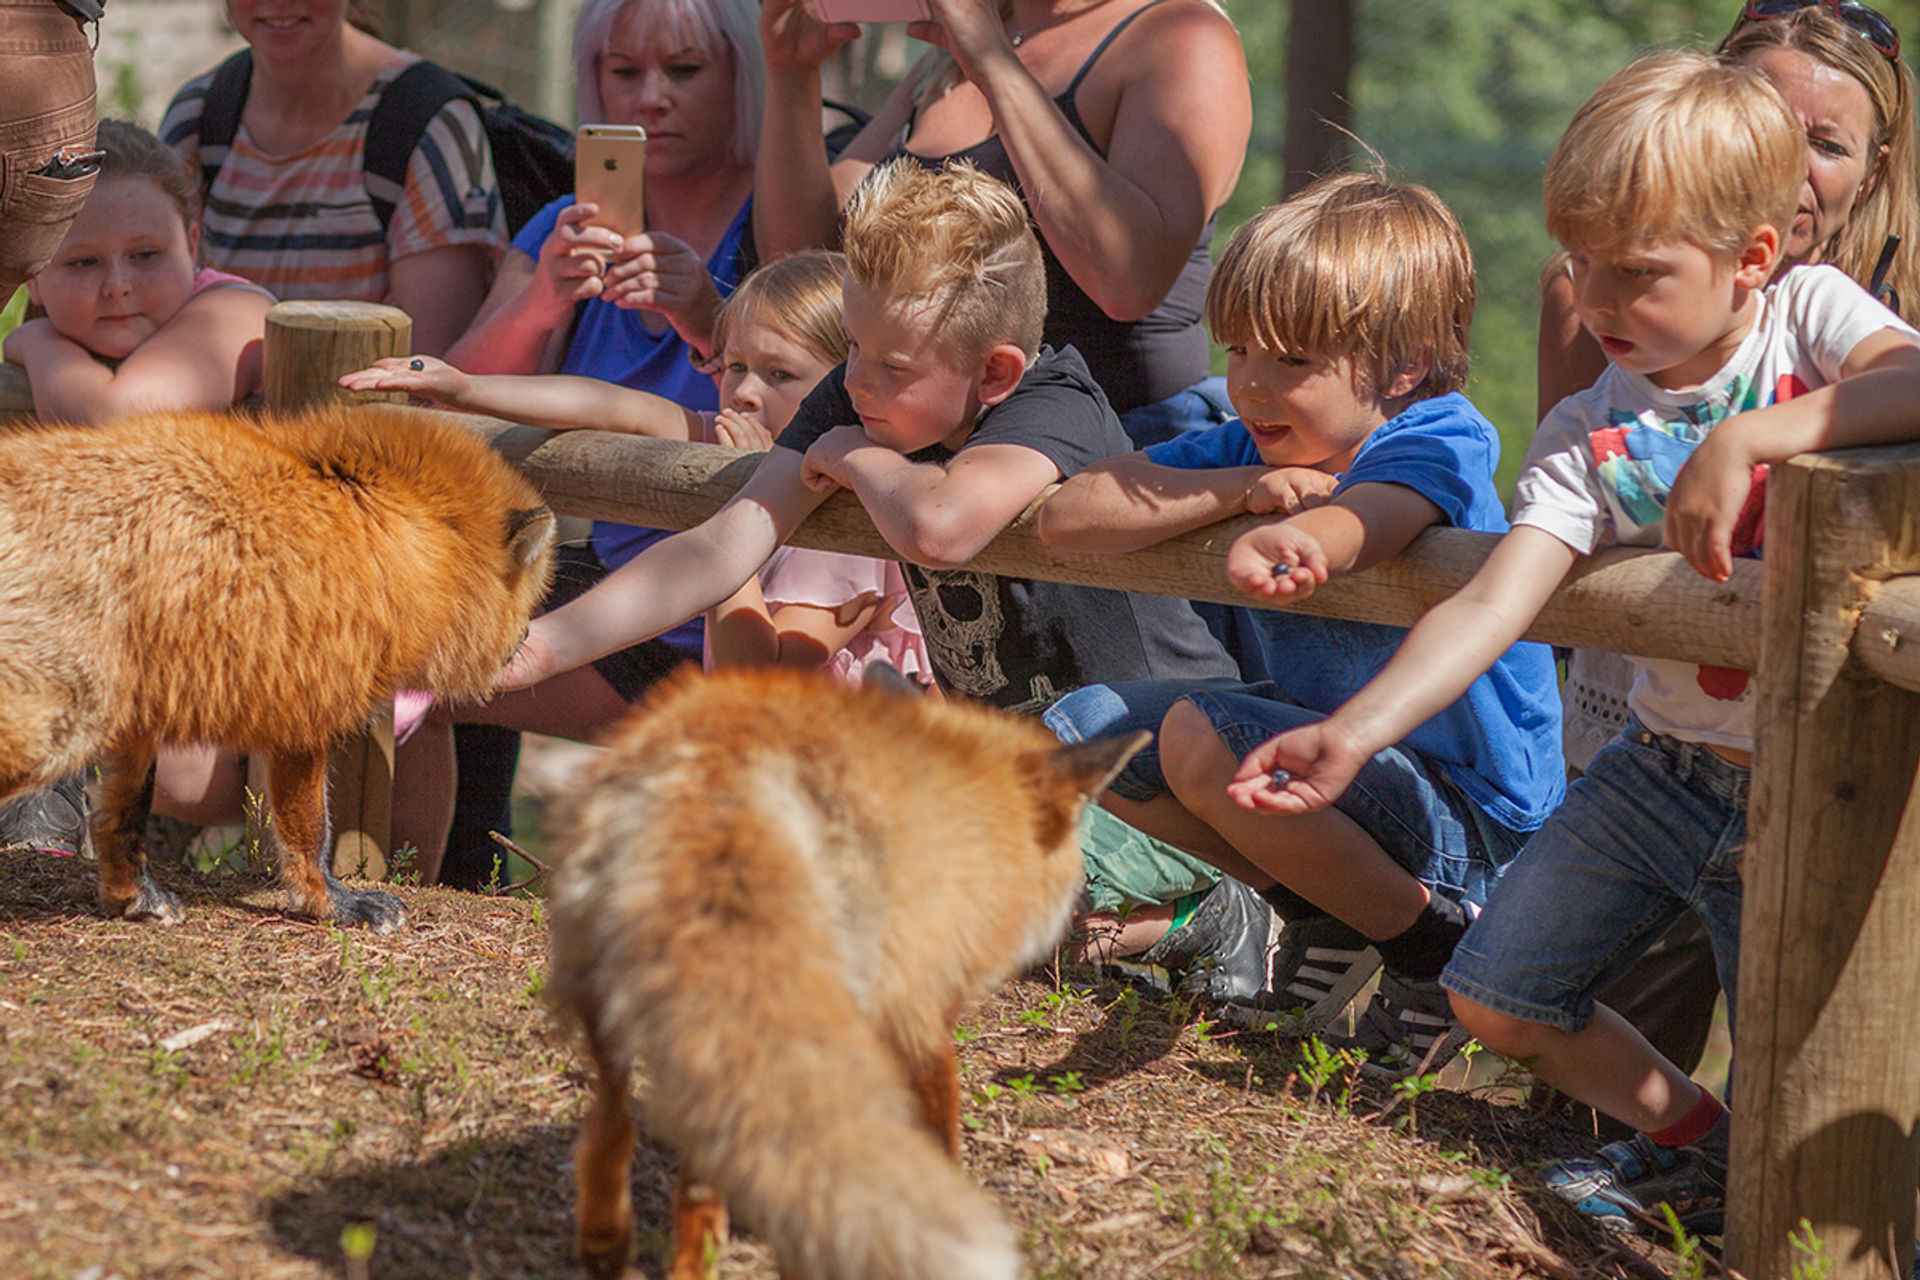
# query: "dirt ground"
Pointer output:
{"type": "Point", "coordinates": [252, 1095]}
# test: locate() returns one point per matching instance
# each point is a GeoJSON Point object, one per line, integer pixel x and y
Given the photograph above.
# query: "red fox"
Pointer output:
{"type": "Point", "coordinates": [779, 893]}
{"type": "Point", "coordinates": [258, 584]}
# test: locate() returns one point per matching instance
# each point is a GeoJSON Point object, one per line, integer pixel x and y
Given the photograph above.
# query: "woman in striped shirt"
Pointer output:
{"type": "Point", "coordinates": [289, 208]}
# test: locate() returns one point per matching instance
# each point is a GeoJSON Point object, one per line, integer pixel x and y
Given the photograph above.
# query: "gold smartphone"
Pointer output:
{"type": "Point", "coordinates": [609, 161]}
{"type": "Point", "coordinates": [872, 11]}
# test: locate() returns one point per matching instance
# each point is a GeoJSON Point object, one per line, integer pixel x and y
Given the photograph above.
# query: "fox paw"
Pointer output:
{"type": "Point", "coordinates": [368, 908]}
{"type": "Point", "coordinates": [605, 1259]}
{"type": "Point", "coordinates": [150, 902]}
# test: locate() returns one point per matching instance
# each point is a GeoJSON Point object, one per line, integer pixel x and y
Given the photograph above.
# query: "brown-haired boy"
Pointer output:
{"type": "Point", "coordinates": [1345, 314]}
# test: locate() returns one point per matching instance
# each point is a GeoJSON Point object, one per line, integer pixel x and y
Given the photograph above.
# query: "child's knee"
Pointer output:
{"type": "Point", "coordinates": [1507, 1036]}
{"type": "Point", "coordinates": [1190, 749]}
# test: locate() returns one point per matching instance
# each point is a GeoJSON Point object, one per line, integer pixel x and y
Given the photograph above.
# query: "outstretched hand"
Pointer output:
{"type": "Point", "coordinates": [527, 665]}
{"type": "Point", "coordinates": [1299, 771]}
{"type": "Point", "coordinates": [424, 376]}
{"type": "Point", "coordinates": [1277, 561]}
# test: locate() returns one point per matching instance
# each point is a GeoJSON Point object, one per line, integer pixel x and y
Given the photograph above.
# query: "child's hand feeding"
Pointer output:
{"type": "Point", "coordinates": [422, 376]}
{"type": "Point", "coordinates": [1276, 561]}
{"type": "Point", "coordinates": [1299, 771]}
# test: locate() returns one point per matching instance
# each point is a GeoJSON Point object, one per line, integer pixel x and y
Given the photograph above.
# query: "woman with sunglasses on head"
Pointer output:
{"type": "Point", "coordinates": [1837, 65]}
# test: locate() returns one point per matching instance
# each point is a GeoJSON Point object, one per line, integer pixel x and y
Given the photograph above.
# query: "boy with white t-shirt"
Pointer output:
{"type": "Point", "coordinates": [1671, 189]}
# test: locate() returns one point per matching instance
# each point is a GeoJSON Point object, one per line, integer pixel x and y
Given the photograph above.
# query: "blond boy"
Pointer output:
{"type": "Point", "coordinates": [1345, 312]}
{"type": "Point", "coordinates": [947, 420]}
{"type": "Point", "coordinates": [1672, 189]}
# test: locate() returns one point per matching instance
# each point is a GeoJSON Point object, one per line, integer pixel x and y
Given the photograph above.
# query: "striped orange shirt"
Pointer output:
{"type": "Point", "coordinates": [302, 225]}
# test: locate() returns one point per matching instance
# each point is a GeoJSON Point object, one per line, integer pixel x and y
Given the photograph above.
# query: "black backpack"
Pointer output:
{"type": "Point", "coordinates": [532, 156]}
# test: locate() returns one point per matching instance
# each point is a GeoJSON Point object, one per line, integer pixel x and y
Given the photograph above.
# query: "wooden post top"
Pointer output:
{"type": "Point", "coordinates": [310, 344]}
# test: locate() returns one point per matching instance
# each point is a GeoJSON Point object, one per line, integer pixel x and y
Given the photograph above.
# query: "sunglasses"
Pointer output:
{"type": "Point", "coordinates": [1869, 24]}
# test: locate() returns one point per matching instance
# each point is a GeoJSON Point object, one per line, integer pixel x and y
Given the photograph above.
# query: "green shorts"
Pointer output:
{"type": "Point", "coordinates": [1128, 869]}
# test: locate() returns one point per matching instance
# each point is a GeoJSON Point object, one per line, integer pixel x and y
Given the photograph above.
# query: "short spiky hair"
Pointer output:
{"type": "Point", "coordinates": [959, 239]}
{"type": "Point", "coordinates": [1677, 146]}
{"type": "Point", "coordinates": [1354, 265]}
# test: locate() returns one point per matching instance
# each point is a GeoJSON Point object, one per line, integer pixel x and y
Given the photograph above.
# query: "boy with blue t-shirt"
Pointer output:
{"type": "Point", "coordinates": [1345, 312]}
{"type": "Point", "coordinates": [1672, 190]}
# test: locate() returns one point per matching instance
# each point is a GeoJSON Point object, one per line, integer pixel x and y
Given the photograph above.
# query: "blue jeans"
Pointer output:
{"type": "Point", "coordinates": [1422, 821]}
{"type": "Point", "coordinates": [1654, 827]}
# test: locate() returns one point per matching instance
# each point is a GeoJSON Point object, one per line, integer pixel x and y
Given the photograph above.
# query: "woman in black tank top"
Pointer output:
{"type": "Point", "coordinates": [1123, 124]}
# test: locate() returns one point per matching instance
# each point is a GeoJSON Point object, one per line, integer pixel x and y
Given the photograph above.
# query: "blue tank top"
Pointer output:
{"type": "Point", "coordinates": [1136, 362]}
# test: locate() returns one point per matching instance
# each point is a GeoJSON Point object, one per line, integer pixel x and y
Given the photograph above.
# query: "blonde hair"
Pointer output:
{"type": "Point", "coordinates": [1889, 203]}
{"type": "Point", "coordinates": [1354, 265]}
{"type": "Point", "coordinates": [799, 297]}
{"type": "Point", "coordinates": [956, 237]}
{"type": "Point", "coordinates": [1677, 146]}
{"type": "Point", "coordinates": [730, 27]}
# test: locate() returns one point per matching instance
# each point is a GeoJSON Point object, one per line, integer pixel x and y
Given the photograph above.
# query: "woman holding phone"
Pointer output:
{"type": "Point", "coordinates": [1123, 123]}
{"type": "Point", "coordinates": [576, 296]}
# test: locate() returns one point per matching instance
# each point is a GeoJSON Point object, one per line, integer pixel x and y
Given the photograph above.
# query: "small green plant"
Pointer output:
{"type": "Point", "coordinates": [404, 865]}
{"type": "Point", "coordinates": [988, 1093]}
{"type": "Point", "coordinates": [965, 1035]}
{"type": "Point", "coordinates": [1410, 1089]}
{"type": "Point", "coordinates": [1815, 1264]}
{"type": "Point", "coordinates": [1067, 1082]}
{"type": "Point", "coordinates": [1023, 1087]}
{"type": "Point", "coordinates": [1320, 1064]}
{"type": "Point", "coordinates": [356, 1242]}
{"type": "Point", "coordinates": [1689, 1262]}
{"type": "Point", "coordinates": [1129, 1006]}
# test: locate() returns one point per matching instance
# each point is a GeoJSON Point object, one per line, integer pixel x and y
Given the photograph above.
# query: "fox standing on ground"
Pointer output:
{"type": "Point", "coordinates": [780, 893]}
{"type": "Point", "coordinates": [260, 584]}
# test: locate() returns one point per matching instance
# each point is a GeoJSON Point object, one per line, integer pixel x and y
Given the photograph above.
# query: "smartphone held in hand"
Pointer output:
{"type": "Point", "coordinates": [872, 10]}
{"type": "Point", "coordinates": [609, 161]}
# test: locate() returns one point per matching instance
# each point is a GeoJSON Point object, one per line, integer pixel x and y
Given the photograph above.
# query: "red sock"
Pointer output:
{"type": "Point", "coordinates": [1694, 1125]}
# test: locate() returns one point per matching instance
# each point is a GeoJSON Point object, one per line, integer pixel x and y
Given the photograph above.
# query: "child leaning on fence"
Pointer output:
{"type": "Point", "coordinates": [1345, 312]}
{"type": "Point", "coordinates": [947, 420]}
{"type": "Point", "coordinates": [1671, 189]}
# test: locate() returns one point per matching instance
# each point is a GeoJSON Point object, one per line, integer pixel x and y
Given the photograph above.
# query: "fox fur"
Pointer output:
{"type": "Point", "coordinates": [261, 584]}
{"type": "Point", "coordinates": [780, 893]}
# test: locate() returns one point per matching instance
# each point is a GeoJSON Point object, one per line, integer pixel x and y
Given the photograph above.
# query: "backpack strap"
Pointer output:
{"type": "Point", "coordinates": [406, 107]}
{"type": "Point", "coordinates": [220, 114]}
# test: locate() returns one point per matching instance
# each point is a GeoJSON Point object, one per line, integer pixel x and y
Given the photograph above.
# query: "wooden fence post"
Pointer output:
{"type": "Point", "coordinates": [1827, 1083]}
{"type": "Point", "coordinates": [309, 345]}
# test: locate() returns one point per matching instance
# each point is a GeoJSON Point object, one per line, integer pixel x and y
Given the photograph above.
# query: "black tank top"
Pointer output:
{"type": "Point", "coordinates": [1136, 362]}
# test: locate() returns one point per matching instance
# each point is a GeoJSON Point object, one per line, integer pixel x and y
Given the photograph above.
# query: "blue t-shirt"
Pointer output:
{"type": "Point", "coordinates": [615, 345]}
{"type": "Point", "coordinates": [1500, 741]}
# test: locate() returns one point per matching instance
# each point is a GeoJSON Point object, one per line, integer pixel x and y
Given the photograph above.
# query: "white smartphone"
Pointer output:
{"type": "Point", "coordinates": [872, 10]}
{"type": "Point", "coordinates": [609, 165]}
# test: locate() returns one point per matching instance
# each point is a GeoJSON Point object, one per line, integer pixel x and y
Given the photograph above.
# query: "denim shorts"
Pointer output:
{"type": "Point", "coordinates": [1653, 828]}
{"type": "Point", "coordinates": [1423, 821]}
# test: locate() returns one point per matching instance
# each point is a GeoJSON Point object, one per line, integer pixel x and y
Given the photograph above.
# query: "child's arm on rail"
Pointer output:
{"type": "Point", "coordinates": [1129, 501]}
{"type": "Point", "coordinates": [1873, 403]}
{"type": "Point", "coordinates": [1448, 649]}
{"type": "Point", "coordinates": [671, 580]}
{"type": "Point", "coordinates": [933, 514]}
{"type": "Point", "coordinates": [206, 356]}
{"type": "Point", "coordinates": [557, 401]}
{"type": "Point", "coordinates": [1366, 524]}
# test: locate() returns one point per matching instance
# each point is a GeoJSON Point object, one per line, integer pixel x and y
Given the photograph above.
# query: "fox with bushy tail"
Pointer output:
{"type": "Point", "coordinates": [778, 894]}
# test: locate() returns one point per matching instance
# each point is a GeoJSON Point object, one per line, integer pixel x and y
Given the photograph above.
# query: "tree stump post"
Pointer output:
{"type": "Point", "coordinates": [308, 346]}
{"type": "Point", "coordinates": [1826, 1082]}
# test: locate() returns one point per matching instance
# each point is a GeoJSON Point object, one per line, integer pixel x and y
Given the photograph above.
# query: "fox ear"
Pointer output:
{"type": "Point", "coordinates": [1069, 777]}
{"type": "Point", "coordinates": [1090, 766]}
{"type": "Point", "coordinates": [530, 531]}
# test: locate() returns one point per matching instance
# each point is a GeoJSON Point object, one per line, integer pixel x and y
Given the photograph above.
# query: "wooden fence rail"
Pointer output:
{"type": "Point", "coordinates": [1827, 1096]}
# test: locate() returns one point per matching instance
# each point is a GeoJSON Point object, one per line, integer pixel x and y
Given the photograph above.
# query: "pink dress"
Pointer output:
{"type": "Point", "coordinates": [829, 579]}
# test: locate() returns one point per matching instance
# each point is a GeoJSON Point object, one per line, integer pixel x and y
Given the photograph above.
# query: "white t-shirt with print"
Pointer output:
{"type": "Point", "coordinates": [1604, 460]}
